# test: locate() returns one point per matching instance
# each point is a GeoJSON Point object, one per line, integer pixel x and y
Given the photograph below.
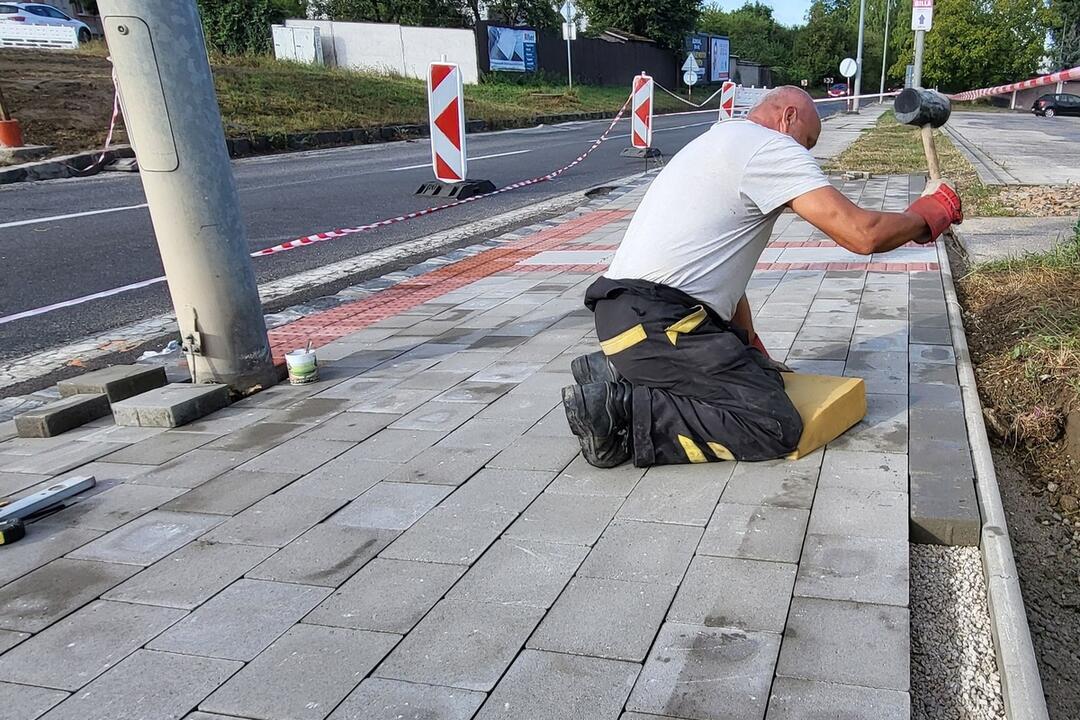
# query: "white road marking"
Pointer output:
{"type": "Point", "coordinates": [80, 300]}
{"type": "Point", "coordinates": [39, 221]}
{"type": "Point", "coordinates": [472, 159]}
{"type": "Point", "coordinates": [659, 129]}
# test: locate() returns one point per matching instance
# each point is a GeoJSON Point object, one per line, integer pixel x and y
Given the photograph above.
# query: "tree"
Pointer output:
{"type": "Point", "coordinates": [665, 21]}
{"type": "Point", "coordinates": [434, 13]}
{"type": "Point", "coordinates": [237, 27]}
{"type": "Point", "coordinates": [976, 43]}
{"type": "Point", "coordinates": [535, 13]}
{"type": "Point", "coordinates": [1065, 33]}
{"type": "Point", "coordinates": [754, 35]}
{"type": "Point", "coordinates": [826, 40]}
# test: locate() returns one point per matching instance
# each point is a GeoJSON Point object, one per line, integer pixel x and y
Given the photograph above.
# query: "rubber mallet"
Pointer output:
{"type": "Point", "coordinates": [928, 110]}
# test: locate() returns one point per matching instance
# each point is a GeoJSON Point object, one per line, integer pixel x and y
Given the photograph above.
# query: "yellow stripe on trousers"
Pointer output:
{"type": "Point", "coordinates": [623, 340]}
{"type": "Point", "coordinates": [693, 452]}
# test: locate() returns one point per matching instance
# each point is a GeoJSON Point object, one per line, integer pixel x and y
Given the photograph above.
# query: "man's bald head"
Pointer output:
{"type": "Point", "coordinates": [789, 110]}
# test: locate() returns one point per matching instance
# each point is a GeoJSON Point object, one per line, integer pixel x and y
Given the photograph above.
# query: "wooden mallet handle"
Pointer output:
{"type": "Point", "coordinates": [931, 152]}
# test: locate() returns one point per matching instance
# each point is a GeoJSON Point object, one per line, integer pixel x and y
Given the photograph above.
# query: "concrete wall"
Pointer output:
{"type": "Point", "coordinates": [387, 48]}
{"type": "Point", "coordinates": [1026, 98]}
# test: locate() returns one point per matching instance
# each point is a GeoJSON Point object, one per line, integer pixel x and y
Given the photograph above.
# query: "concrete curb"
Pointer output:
{"type": "Point", "coordinates": [65, 166]}
{"type": "Point", "coordinates": [1021, 686]}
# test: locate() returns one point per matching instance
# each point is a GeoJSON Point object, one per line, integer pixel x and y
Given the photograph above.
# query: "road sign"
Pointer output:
{"type": "Point", "coordinates": [446, 111]}
{"type": "Point", "coordinates": [804, 82]}
{"type": "Point", "coordinates": [567, 11]}
{"type": "Point", "coordinates": [642, 111]}
{"type": "Point", "coordinates": [689, 77]}
{"type": "Point", "coordinates": [848, 67]}
{"type": "Point", "coordinates": [691, 65]}
{"type": "Point", "coordinates": [922, 18]}
{"type": "Point", "coordinates": [569, 31]}
{"type": "Point", "coordinates": [829, 81]}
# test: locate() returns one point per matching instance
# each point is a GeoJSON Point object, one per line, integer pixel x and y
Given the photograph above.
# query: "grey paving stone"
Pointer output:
{"type": "Point", "coordinates": [475, 392]}
{"type": "Point", "coordinates": [520, 572]}
{"type": "Point", "coordinates": [604, 618]}
{"type": "Point", "coordinates": [941, 354]}
{"type": "Point", "coordinates": [642, 552]}
{"type": "Point", "coordinates": [860, 513]}
{"type": "Point", "coordinates": [118, 382]}
{"type": "Point", "coordinates": [680, 494]}
{"type": "Point", "coordinates": [32, 603]}
{"type": "Point", "coordinates": [573, 519]}
{"type": "Point", "coordinates": [871, 570]}
{"type": "Point", "coordinates": [57, 460]}
{"type": "Point", "coordinates": [436, 415]}
{"type": "Point", "coordinates": [755, 532]}
{"type": "Point", "coordinates": [500, 490]}
{"type": "Point", "coordinates": [343, 478]}
{"type": "Point", "coordinates": [442, 466]}
{"type": "Point", "coordinates": [795, 699]}
{"type": "Point", "coordinates": [147, 684]}
{"type": "Point", "coordinates": [299, 455]}
{"type": "Point", "coordinates": [387, 596]}
{"type": "Point", "coordinates": [325, 555]}
{"type": "Point", "coordinates": [488, 434]}
{"type": "Point", "coordinates": [190, 576]}
{"type": "Point", "coordinates": [933, 373]}
{"type": "Point", "coordinates": [378, 699]}
{"type": "Point", "coordinates": [303, 675]}
{"type": "Point", "coordinates": [923, 335]}
{"type": "Point", "coordinates": [241, 621]}
{"type": "Point", "coordinates": [884, 429]}
{"type": "Point", "coordinates": [192, 469]}
{"type": "Point", "coordinates": [39, 548]}
{"type": "Point", "coordinates": [10, 638]}
{"type": "Point", "coordinates": [817, 367]}
{"type": "Point", "coordinates": [456, 534]}
{"type": "Point", "coordinates": [506, 372]}
{"type": "Point", "coordinates": [274, 521]}
{"type": "Point", "coordinates": [257, 438]}
{"type": "Point", "coordinates": [351, 426]}
{"type": "Point", "coordinates": [699, 672]}
{"type": "Point", "coordinates": [227, 420]}
{"type": "Point", "coordinates": [819, 350]}
{"type": "Point", "coordinates": [112, 508]}
{"type": "Point", "coordinates": [59, 416]}
{"type": "Point", "coordinates": [777, 482]}
{"type": "Point", "coordinates": [944, 507]}
{"type": "Point", "coordinates": [23, 702]}
{"type": "Point", "coordinates": [230, 493]}
{"type": "Point", "coordinates": [462, 644]}
{"type": "Point", "coordinates": [544, 685]}
{"type": "Point", "coordinates": [864, 470]}
{"type": "Point", "coordinates": [309, 410]}
{"type": "Point", "coordinates": [171, 406]}
{"type": "Point", "coordinates": [581, 478]}
{"type": "Point", "coordinates": [734, 593]}
{"type": "Point", "coordinates": [11, 483]}
{"type": "Point", "coordinates": [395, 400]}
{"type": "Point", "coordinates": [398, 446]}
{"type": "Point", "coordinates": [847, 642]}
{"type": "Point", "coordinates": [537, 452]}
{"type": "Point", "coordinates": [392, 506]}
{"type": "Point", "coordinates": [520, 407]}
{"type": "Point", "coordinates": [161, 448]}
{"type": "Point", "coordinates": [85, 644]}
{"type": "Point", "coordinates": [147, 539]}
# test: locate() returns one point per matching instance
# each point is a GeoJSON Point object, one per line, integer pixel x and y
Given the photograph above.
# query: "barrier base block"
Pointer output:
{"type": "Point", "coordinates": [456, 191]}
{"type": "Point", "coordinates": [649, 152]}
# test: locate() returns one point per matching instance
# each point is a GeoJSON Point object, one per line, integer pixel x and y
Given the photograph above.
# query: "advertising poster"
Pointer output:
{"type": "Point", "coordinates": [511, 49]}
{"type": "Point", "coordinates": [698, 46]}
{"type": "Point", "coordinates": [719, 59]}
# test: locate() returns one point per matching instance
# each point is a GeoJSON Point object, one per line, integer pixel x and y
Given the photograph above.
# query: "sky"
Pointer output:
{"type": "Point", "coordinates": [786, 12]}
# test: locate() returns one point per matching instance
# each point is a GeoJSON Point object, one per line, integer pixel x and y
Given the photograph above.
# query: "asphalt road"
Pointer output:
{"type": "Point", "coordinates": [109, 244]}
{"type": "Point", "coordinates": [1019, 148]}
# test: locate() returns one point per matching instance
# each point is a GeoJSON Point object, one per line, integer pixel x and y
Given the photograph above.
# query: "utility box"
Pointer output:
{"type": "Point", "coordinates": [298, 44]}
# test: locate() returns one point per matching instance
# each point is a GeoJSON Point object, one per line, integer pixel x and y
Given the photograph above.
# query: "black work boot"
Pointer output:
{"type": "Point", "coordinates": [599, 415]}
{"type": "Point", "coordinates": [593, 368]}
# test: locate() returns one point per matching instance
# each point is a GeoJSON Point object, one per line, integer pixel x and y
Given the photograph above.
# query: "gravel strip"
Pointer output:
{"type": "Point", "coordinates": [954, 672]}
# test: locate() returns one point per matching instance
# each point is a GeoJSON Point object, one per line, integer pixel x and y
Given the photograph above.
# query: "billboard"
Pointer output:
{"type": "Point", "coordinates": [511, 49]}
{"type": "Point", "coordinates": [719, 59]}
{"type": "Point", "coordinates": [698, 46]}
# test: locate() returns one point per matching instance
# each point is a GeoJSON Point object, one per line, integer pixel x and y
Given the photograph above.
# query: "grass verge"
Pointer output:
{"type": "Point", "coordinates": [1022, 317]}
{"type": "Point", "coordinates": [64, 99]}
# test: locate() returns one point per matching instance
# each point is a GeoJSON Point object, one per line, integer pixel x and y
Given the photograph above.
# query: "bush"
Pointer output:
{"type": "Point", "coordinates": [237, 27]}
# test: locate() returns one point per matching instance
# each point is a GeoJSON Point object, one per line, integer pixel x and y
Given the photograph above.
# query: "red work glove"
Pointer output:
{"type": "Point", "coordinates": [940, 207]}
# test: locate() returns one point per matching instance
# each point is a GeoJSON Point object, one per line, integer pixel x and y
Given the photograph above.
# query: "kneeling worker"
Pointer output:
{"type": "Point", "coordinates": [682, 376]}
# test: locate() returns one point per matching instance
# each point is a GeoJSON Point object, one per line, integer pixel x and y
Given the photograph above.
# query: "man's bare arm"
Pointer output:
{"type": "Point", "coordinates": [744, 319]}
{"type": "Point", "coordinates": [861, 231]}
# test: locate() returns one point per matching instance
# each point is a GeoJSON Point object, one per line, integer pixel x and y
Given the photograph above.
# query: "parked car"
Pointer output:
{"type": "Point", "coordinates": [838, 90]}
{"type": "Point", "coordinates": [1057, 104]}
{"type": "Point", "coordinates": [40, 14]}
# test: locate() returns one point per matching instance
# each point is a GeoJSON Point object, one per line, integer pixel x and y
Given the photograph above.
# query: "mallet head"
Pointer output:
{"type": "Point", "coordinates": [916, 106]}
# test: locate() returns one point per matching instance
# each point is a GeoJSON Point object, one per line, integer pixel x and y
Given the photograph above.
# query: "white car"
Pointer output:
{"type": "Point", "coordinates": [40, 14]}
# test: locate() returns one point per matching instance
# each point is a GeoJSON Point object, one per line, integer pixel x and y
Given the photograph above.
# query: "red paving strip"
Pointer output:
{"type": "Point", "coordinates": [821, 244]}
{"type": "Point", "coordinates": [595, 268]}
{"type": "Point", "coordinates": [863, 267]}
{"type": "Point", "coordinates": [324, 327]}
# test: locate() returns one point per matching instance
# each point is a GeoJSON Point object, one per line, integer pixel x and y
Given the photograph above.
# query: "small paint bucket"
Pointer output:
{"type": "Point", "coordinates": [302, 365]}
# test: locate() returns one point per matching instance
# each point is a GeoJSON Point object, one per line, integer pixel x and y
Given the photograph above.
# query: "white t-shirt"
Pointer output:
{"type": "Point", "coordinates": [708, 215]}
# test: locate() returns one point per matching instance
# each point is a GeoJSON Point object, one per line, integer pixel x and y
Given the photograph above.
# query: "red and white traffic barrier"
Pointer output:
{"type": "Point", "coordinates": [1042, 80]}
{"type": "Point", "coordinates": [641, 112]}
{"type": "Point", "coordinates": [446, 111]}
{"type": "Point", "coordinates": [736, 100]}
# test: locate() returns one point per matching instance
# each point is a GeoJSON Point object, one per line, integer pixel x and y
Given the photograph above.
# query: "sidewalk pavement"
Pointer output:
{"type": "Point", "coordinates": [843, 129]}
{"type": "Point", "coordinates": [986, 239]}
{"type": "Point", "coordinates": [1018, 148]}
{"type": "Point", "coordinates": [416, 535]}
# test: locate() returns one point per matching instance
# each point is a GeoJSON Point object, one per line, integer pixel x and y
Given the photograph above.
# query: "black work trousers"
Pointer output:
{"type": "Point", "coordinates": [700, 393]}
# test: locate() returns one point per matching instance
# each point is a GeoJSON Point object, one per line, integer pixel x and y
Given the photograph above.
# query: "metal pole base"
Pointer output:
{"type": "Point", "coordinates": [456, 191]}
{"type": "Point", "coordinates": [649, 152]}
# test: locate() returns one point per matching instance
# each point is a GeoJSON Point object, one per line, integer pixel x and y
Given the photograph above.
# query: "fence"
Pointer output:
{"type": "Point", "coordinates": [388, 48]}
{"type": "Point", "coordinates": [39, 37]}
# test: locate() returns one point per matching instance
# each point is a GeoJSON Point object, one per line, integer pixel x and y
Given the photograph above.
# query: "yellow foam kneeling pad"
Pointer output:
{"type": "Point", "coordinates": [828, 406]}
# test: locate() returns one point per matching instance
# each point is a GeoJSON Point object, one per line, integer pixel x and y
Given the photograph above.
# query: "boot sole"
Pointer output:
{"type": "Point", "coordinates": [576, 417]}
{"type": "Point", "coordinates": [583, 372]}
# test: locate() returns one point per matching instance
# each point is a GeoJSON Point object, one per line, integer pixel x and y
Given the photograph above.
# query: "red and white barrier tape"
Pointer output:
{"type": "Point", "coordinates": [1051, 79]}
{"type": "Point", "coordinates": [687, 102]}
{"type": "Point", "coordinates": [342, 232]}
{"type": "Point", "coordinates": [112, 123]}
